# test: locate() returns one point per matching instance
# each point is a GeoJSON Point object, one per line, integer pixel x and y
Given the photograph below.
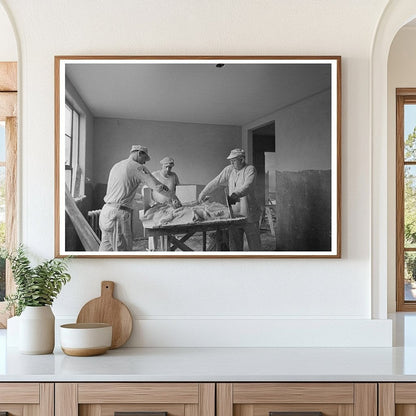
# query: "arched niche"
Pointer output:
{"type": "Point", "coordinates": [401, 74]}
{"type": "Point", "coordinates": [396, 15]}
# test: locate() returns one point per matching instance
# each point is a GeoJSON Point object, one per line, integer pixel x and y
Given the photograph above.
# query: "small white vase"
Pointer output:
{"type": "Point", "coordinates": [37, 330]}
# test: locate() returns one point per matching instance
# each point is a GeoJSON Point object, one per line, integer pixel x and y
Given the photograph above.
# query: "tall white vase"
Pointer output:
{"type": "Point", "coordinates": [37, 330]}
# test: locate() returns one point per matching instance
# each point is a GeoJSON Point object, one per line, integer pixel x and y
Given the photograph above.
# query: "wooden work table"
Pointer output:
{"type": "Point", "coordinates": [172, 237]}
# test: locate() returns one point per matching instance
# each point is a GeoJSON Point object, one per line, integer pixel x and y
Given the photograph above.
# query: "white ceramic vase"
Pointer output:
{"type": "Point", "coordinates": [37, 330]}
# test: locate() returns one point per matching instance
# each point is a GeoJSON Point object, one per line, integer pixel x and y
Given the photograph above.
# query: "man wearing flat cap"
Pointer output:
{"type": "Point", "coordinates": [123, 181]}
{"type": "Point", "coordinates": [240, 179]}
{"type": "Point", "coordinates": [170, 179]}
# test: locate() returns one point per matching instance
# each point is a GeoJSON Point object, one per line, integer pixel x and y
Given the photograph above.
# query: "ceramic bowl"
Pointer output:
{"type": "Point", "coordinates": [84, 340]}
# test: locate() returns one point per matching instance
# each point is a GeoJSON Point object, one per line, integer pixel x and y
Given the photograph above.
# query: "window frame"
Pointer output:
{"type": "Point", "coordinates": [78, 149]}
{"type": "Point", "coordinates": [403, 96]}
{"type": "Point", "coordinates": [75, 139]}
{"type": "Point", "coordinates": [8, 113]}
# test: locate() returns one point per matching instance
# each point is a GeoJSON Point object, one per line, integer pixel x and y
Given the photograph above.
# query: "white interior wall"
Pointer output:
{"type": "Point", "coordinates": [201, 300]}
{"type": "Point", "coordinates": [302, 134]}
{"type": "Point", "coordinates": [401, 74]}
{"type": "Point", "coordinates": [199, 150]}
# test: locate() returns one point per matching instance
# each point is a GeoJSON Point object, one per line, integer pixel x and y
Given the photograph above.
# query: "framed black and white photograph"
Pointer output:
{"type": "Point", "coordinates": [198, 156]}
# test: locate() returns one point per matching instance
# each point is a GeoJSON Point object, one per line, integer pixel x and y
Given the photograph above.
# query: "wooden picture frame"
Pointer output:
{"type": "Point", "coordinates": [283, 113]}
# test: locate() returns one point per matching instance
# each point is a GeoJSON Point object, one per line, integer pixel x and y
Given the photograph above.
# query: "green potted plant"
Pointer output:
{"type": "Point", "coordinates": [36, 289]}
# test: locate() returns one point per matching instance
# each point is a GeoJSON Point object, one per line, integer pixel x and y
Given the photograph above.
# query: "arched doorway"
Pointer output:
{"type": "Point", "coordinates": [395, 16]}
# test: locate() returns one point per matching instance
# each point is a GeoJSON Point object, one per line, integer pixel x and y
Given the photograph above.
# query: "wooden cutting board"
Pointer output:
{"type": "Point", "coordinates": [108, 310]}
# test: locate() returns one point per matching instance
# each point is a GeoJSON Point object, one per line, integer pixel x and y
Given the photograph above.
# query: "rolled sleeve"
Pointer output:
{"type": "Point", "coordinates": [219, 180]}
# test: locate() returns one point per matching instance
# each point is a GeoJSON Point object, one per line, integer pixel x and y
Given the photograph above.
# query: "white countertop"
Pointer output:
{"type": "Point", "coordinates": [215, 364]}
{"type": "Point", "coordinates": [221, 364]}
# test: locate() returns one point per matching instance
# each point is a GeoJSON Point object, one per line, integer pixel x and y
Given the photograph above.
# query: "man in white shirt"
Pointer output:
{"type": "Point", "coordinates": [241, 181]}
{"type": "Point", "coordinates": [168, 178]}
{"type": "Point", "coordinates": [123, 181]}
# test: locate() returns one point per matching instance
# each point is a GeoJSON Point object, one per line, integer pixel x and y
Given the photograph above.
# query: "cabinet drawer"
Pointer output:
{"type": "Point", "coordinates": [309, 399]}
{"type": "Point", "coordinates": [149, 399]}
{"type": "Point", "coordinates": [21, 399]}
{"type": "Point", "coordinates": [138, 393]}
{"type": "Point", "coordinates": [19, 393]}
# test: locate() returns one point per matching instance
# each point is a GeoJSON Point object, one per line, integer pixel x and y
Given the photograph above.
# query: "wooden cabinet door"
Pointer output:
{"type": "Point", "coordinates": [397, 399]}
{"type": "Point", "coordinates": [26, 399]}
{"type": "Point", "coordinates": [297, 399]}
{"type": "Point", "coordinates": [143, 399]}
